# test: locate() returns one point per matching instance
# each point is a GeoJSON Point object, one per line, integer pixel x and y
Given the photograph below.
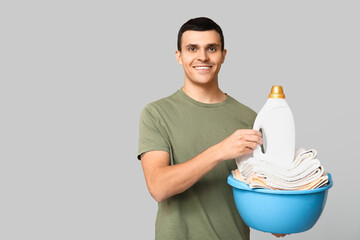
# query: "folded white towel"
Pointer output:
{"type": "Point", "coordinates": [305, 172]}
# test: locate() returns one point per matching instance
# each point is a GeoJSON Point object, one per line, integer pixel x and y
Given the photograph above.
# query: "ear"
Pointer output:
{"type": "Point", "coordinates": [178, 57]}
{"type": "Point", "coordinates": [224, 55]}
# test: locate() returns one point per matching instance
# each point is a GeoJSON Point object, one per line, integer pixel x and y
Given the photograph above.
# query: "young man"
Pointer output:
{"type": "Point", "coordinates": [188, 142]}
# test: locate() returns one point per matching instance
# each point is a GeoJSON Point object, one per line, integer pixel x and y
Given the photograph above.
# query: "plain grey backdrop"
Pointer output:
{"type": "Point", "coordinates": [75, 76]}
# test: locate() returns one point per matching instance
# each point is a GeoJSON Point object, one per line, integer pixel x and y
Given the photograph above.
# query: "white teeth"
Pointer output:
{"type": "Point", "coordinates": [202, 67]}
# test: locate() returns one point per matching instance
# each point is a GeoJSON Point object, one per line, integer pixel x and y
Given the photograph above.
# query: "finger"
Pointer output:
{"type": "Point", "coordinates": [247, 151]}
{"type": "Point", "coordinates": [251, 145]}
{"type": "Point", "coordinates": [254, 138]}
{"type": "Point", "coordinates": [250, 132]}
{"type": "Point", "coordinates": [279, 235]}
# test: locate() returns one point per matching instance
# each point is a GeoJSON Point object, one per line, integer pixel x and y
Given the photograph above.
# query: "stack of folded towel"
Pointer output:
{"type": "Point", "coordinates": [306, 172]}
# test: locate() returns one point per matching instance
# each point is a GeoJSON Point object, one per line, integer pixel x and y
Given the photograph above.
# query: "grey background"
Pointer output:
{"type": "Point", "coordinates": [76, 74]}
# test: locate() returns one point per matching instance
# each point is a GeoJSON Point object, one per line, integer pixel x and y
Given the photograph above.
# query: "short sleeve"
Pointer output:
{"type": "Point", "coordinates": [152, 136]}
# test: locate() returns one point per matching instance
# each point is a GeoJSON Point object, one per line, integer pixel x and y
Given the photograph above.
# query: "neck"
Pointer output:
{"type": "Point", "coordinates": [204, 93]}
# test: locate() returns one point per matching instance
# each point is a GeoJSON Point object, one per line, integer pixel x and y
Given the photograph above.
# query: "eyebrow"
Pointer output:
{"type": "Point", "coordinates": [208, 45]}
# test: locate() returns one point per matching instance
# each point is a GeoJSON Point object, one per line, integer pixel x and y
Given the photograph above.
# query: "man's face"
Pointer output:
{"type": "Point", "coordinates": [201, 56]}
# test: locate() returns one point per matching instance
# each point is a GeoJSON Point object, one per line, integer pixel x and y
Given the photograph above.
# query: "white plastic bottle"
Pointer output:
{"type": "Point", "coordinates": [277, 124]}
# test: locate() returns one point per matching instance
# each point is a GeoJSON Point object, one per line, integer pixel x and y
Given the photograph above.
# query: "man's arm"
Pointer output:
{"type": "Point", "coordinates": [164, 181]}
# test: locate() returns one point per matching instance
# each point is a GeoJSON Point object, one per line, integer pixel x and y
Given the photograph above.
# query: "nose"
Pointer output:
{"type": "Point", "coordinates": [203, 55]}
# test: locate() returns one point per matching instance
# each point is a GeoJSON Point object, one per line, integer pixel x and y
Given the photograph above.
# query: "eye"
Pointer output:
{"type": "Point", "coordinates": [212, 49]}
{"type": "Point", "coordinates": [192, 49]}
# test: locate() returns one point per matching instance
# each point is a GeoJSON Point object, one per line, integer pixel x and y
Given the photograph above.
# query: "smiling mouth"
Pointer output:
{"type": "Point", "coordinates": [203, 67]}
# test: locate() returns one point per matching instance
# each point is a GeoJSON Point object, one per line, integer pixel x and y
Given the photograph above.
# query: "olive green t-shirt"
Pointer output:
{"type": "Point", "coordinates": [184, 127]}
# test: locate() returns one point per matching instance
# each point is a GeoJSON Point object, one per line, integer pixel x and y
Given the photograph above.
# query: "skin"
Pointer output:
{"type": "Point", "coordinates": [202, 49]}
{"type": "Point", "coordinates": [201, 58]}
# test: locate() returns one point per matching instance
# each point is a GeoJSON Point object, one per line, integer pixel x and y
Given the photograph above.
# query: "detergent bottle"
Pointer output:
{"type": "Point", "coordinates": [276, 121]}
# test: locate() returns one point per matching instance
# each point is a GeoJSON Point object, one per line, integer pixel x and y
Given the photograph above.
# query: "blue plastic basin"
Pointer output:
{"type": "Point", "coordinates": [279, 211]}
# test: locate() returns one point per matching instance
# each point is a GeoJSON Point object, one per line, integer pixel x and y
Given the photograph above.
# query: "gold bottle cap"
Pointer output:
{"type": "Point", "coordinates": [277, 92]}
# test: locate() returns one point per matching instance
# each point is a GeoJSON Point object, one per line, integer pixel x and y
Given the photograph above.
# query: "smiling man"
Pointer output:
{"type": "Point", "coordinates": [188, 142]}
{"type": "Point", "coordinates": [201, 53]}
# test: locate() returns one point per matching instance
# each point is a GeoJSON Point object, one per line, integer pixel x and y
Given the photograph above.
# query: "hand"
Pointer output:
{"type": "Point", "coordinates": [279, 235]}
{"type": "Point", "coordinates": [241, 142]}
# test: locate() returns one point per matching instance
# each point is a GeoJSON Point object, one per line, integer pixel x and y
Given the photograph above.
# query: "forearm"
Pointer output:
{"type": "Point", "coordinates": [167, 181]}
{"type": "Point", "coordinates": [164, 181]}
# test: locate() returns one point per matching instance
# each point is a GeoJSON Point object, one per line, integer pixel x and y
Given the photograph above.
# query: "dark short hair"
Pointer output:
{"type": "Point", "coordinates": [200, 24]}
